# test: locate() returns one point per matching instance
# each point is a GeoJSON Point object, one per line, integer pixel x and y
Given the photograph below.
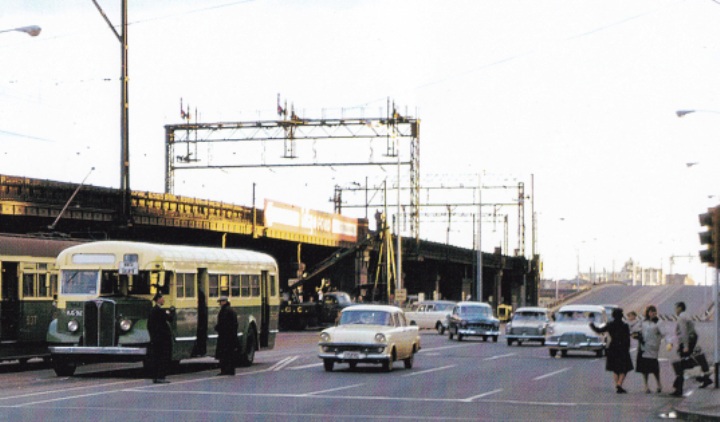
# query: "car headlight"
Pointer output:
{"type": "Point", "coordinates": [324, 337]}
{"type": "Point", "coordinates": [73, 325]}
{"type": "Point", "coordinates": [125, 324]}
{"type": "Point", "coordinates": [380, 338]}
{"type": "Point", "coordinates": [550, 329]}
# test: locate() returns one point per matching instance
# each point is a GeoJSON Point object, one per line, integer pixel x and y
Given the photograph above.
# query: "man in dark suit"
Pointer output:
{"type": "Point", "coordinates": [160, 340]}
{"type": "Point", "coordinates": [227, 342]}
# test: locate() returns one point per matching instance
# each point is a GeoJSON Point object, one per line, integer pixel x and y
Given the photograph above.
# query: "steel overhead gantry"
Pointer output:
{"type": "Point", "coordinates": [182, 141]}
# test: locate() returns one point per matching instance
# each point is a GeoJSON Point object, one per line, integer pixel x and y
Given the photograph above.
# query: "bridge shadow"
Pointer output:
{"type": "Point", "coordinates": [141, 373]}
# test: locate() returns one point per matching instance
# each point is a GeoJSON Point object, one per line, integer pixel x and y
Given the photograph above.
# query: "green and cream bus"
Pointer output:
{"type": "Point", "coordinates": [105, 296]}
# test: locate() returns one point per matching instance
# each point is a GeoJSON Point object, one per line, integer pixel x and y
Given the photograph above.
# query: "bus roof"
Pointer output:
{"type": "Point", "coordinates": [169, 253]}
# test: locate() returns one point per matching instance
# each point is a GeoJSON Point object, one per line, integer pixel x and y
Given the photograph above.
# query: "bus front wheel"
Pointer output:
{"type": "Point", "coordinates": [63, 368]}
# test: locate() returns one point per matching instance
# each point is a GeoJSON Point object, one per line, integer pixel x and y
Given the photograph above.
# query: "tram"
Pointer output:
{"type": "Point", "coordinates": [106, 290]}
{"type": "Point", "coordinates": [28, 283]}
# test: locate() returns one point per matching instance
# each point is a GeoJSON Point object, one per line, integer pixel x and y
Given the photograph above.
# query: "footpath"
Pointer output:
{"type": "Point", "coordinates": [701, 405]}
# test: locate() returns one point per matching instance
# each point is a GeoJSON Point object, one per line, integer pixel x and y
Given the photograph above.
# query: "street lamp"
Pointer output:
{"type": "Point", "coordinates": [32, 30]}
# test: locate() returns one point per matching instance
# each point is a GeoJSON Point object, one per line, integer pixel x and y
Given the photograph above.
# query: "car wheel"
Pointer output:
{"type": "Point", "coordinates": [328, 364]}
{"type": "Point", "coordinates": [563, 353]}
{"type": "Point", "coordinates": [484, 338]}
{"type": "Point", "coordinates": [387, 365]}
{"type": "Point", "coordinates": [353, 365]}
{"type": "Point", "coordinates": [553, 353]}
{"type": "Point", "coordinates": [495, 339]}
{"type": "Point", "coordinates": [440, 329]}
{"type": "Point", "coordinates": [409, 361]}
{"type": "Point", "coordinates": [460, 337]}
{"type": "Point", "coordinates": [510, 342]}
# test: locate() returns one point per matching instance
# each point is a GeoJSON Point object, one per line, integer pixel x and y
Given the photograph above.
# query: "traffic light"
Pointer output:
{"type": "Point", "coordinates": [711, 237]}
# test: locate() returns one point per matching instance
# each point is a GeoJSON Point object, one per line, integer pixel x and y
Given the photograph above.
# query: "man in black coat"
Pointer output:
{"type": "Point", "coordinates": [227, 342]}
{"type": "Point", "coordinates": [160, 340]}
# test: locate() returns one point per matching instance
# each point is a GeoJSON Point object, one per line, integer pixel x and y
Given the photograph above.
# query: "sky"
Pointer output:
{"type": "Point", "coordinates": [575, 99]}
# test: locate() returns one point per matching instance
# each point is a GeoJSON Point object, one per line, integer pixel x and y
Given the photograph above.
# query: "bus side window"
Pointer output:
{"type": "Point", "coordinates": [224, 285]}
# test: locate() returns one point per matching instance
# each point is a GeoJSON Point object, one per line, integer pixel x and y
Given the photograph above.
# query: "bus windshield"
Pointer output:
{"type": "Point", "coordinates": [79, 282]}
{"type": "Point", "coordinates": [85, 282]}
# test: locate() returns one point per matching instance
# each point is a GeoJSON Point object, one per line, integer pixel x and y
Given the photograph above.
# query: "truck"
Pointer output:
{"type": "Point", "coordinates": [295, 315]}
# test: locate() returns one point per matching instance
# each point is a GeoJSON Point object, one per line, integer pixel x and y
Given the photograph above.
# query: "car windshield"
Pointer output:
{"type": "Point", "coordinates": [579, 316]}
{"type": "Point", "coordinates": [529, 316]}
{"type": "Point", "coordinates": [475, 311]}
{"type": "Point", "coordinates": [343, 298]}
{"type": "Point", "coordinates": [366, 317]}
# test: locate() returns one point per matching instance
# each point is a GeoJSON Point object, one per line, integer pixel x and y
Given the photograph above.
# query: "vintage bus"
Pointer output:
{"type": "Point", "coordinates": [106, 290]}
{"type": "Point", "coordinates": [28, 283]}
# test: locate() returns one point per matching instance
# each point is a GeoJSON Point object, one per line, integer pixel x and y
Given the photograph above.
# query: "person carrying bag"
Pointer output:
{"type": "Point", "coordinates": [690, 355]}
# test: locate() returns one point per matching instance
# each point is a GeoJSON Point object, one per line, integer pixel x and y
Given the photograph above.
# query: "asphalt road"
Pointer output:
{"type": "Point", "coordinates": [465, 381]}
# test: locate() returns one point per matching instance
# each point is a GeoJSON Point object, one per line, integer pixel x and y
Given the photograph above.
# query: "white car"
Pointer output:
{"type": "Point", "coordinates": [431, 314]}
{"type": "Point", "coordinates": [378, 334]}
{"type": "Point", "coordinates": [571, 330]}
{"type": "Point", "coordinates": [527, 324]}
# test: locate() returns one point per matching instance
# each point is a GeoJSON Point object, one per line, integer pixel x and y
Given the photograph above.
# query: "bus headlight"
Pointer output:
{"type": "Point", "coordinates": [125, 324]}
{"type": "Point", "coordinates": [380, 338]}
{"type": "Point", "coordinates": [73, 325]}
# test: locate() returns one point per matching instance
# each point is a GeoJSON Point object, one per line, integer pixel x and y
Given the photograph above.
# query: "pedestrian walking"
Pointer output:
{"type": "Point", "coordinates": [618, 360]}
{"type": "Point", "coordinates": [160, 339]}
{"type": "Point", "coordinates": [227, 342]}
{"type": "Point", "coordinates": [689, 353]}
{"type": "Point", "coordinates": [650, 336]}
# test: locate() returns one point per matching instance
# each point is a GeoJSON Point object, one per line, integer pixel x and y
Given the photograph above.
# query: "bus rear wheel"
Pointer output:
{"type": "Point", "coordinates": [247, 357]}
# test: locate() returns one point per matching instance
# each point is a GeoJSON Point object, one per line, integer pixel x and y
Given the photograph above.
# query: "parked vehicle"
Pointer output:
{"type": "Point", "coordinates": [370, 334]}
{"type": "Point", "coordinates": [527, 324]}
{"type": "Point", "coordinates": [473, 319]}
{"type": "Point", "coordinates": [298, 316]}
{"type": "Point", "coordinates": [570, 330]}
{"type": "Point", "coordinates": [431, 314]}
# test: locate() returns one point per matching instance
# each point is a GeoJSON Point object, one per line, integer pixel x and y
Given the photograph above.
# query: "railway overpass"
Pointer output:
{"type": "Point", "coordinates": [34, 205]}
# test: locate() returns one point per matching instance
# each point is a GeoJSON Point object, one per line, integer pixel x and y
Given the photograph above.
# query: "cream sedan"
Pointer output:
{"type": "Point", "coordinates": [378, 334]}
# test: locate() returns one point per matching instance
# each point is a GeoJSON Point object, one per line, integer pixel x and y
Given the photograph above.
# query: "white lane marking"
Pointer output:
{"type": "Point", "coordinates": [560, 371]}
{"type": "Point", "coordinates": [432, 349]}
{"type": "Point", "coordinates": [479, 396]}
{"type": "Point", "coordinates": [428, 370]}
{"type": "Point", "coordinates": [63, 390]}
{"type": "Point", "coordinates": [311, 365]}
{"type": "Point", "coordinates": [331, 389]}
{"type": "Point", "coordinates": [500, 356]}
{"type": "Point", "coordinates": [283, 363]}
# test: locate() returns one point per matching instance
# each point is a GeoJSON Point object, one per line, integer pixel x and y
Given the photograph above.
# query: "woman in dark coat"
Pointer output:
{"type": "Point", "coordinates": [618, 359]}
{"type": "Point", "coordinates": [227, 342]}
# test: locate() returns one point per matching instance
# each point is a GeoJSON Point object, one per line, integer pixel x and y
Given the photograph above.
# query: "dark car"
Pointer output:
{"type": "Point", "coordinates": [473, 319]}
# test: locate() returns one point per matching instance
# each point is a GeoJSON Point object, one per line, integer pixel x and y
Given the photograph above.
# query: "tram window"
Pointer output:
{"type": "Point", "coordinates": [185, 285]}
{"type": "Point", "coordinates": [214, 286]}
{"type": "Point", "coordinates": [235, 285]}
{"type": "Point", "coordinates": [254, 285]}
{"type": "Point", "coordinates": [43, 285]}
{"type": "Point", "coordinates": [29, 285]}
{"type": "Point", "coordinates": [224, 285]}
{"type": "Point", "coordinates": [273, 289]}
{"type": "Point", "coordinates": [245, 285]}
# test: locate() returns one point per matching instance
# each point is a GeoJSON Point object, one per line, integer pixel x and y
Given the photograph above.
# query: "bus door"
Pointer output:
{"type": "Point", "coordinates": [10, 305]}
{"type": "Point", "coordinates": [265, 309]}
{"type": "Point", "coordinates": [200, 348]}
